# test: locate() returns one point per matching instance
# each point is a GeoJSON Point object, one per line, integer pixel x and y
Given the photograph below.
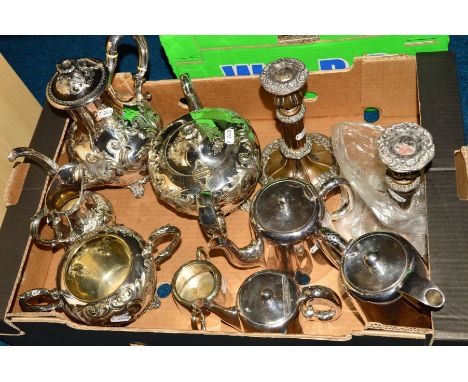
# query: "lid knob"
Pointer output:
{"type": "Point", "coordinates": [371, 259]}
{"type": "Point", "coordinates": [266, 294]}
{"type": "Point", "coordinates": [65, 67]}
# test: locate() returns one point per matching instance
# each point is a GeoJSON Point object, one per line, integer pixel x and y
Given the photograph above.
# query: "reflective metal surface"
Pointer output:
{"type": "Point", "coordinates": [108, 278]}
{"type": "Point", "coordinates": [405, 148]}
{"type": "Point", "coordinates": [111, 133]}
{"type": "Point", "coordinates": [197, 279]}
{"type": "Point", "coordinates": [69, 208]}
{"type": "Point", "coordinates": [285, 212]}
{"type": "Point", "coordinates": [98, 267]}
{"type": "Point", "coordinates": [307, 157]}
{"type": "Point", "coordinates": [381, 267]}
{"type": "Point", "coordinates": [205, 163]}
{"type": "Point", "coordinates": [267, 301]}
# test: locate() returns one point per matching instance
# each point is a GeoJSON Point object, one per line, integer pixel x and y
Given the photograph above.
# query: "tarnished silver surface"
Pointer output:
{"type": "Point", "coordinates": [107, 278]}
{"type": "Point", "coordinates": [205, 163]}
{"type": "Point", "coordinates": [285, 212]}
{"type": "Point", "coordinates": [298, 155]}
{"type": "Point", "coordinates": [284, 76]}
{"type": "Point", "coordinates": [381, 267]}
{"type": "Point", "coordinates": [405, 147]}
{"type": "Point", "coordinates": [267, 301]}
{"type": "Point", "coordinates": [291, 118]}
{"type": "Point", "coordinates": [111, 134]}
{"type": "Point", "coordinates": [402, 187]}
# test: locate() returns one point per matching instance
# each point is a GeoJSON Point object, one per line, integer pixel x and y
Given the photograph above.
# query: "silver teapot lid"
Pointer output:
{"type": "Point", "coordinates": [375, 263]}
{"type": "Point", "coordinates": [286, 210]}
{"type": "Point", "coordinates": [284, 76]}
{"type": "Point", "coordinates": [77, 83]}
{"type": "Point", "coordinates": [405, 147]}
{"type": "Point", "coordinates": [267, 300]}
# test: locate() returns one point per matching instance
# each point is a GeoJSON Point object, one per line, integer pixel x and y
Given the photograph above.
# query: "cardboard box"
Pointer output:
{"type": "Point", "coordinates": [19, 113]}
{"type": "Point", "coordinates": [212, 56]}
{"type": "Point", "coordinates": [401, 87]}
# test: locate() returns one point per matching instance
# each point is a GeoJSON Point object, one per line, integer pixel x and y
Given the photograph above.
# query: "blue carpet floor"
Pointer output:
{"type": "Point", "coordinates": [34, 59]}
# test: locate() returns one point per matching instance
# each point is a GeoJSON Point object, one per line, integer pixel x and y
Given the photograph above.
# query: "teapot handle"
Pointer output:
{"type": "Point", "coordinates": [34, 229]}
{"type": "Point", "coordinates": [112, 55]}
{"type": "Point", "coordinates": [156, 235]}
{"type": "Point", "coordinates": [318, 294]}
{"type": "Point", "coordinates": [347, 197]}
{"type": "Point", "coordinates": [198, 317]}
{"type": "Point", "coordinates": [54, 295]}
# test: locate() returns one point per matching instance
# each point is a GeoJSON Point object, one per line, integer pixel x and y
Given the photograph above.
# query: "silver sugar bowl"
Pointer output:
{"type": "Point", "coordinates": [107, 278]}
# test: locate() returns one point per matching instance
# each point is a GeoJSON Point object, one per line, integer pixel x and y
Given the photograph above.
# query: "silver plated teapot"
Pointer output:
{"type": "Point", "coordinates": [111, 134]}
{"type": "Point", "coordinates": [285, 212]}
{"type": "Point", "coordinates": [107, 278]}
{"type": "Point", "coordinates": [382, 267]}
{"type": "Point", "coordinates": [206, 163]}
{"type": "Point", "coordinates": [268, 301]}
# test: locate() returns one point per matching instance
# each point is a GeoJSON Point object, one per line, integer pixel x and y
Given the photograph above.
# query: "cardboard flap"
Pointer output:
{"type": "Point", "coordinates": [390, 81]}
{"type": "Point", "coordinates": [461, 166]}
{"type": "Point", "coordinates": [15, 184]}
{"type": "Point", "coordinates": [440, 105]}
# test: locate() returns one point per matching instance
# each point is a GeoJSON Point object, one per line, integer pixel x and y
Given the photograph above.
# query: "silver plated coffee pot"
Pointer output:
{"type": "Point", "coordinates": [205, 163]}
{"type": "Point", "coordinates": [111, 134]}
{"type": "Point", "coordinates": [107, 278]}
{"type": "Point", "coordinates": [382, 267]}
{"type": "Point", "coordinates": [268, 301]}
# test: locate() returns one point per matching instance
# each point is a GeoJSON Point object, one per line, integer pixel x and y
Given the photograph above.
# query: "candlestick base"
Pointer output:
{"type": "Point", "coordinates": [314, 163]}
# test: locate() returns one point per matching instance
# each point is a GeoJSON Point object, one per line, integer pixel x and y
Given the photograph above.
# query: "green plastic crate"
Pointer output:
{"type": "Point", "coordinates": [213, 56]}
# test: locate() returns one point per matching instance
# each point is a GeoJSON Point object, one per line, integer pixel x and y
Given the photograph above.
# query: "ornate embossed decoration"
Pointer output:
{"type": "Point", "coordinates": [107, 278]}
{"type": "Point", "coordinates": [111, 134]}
{"type": "Point", "coordinates": [77, 82]}
{"type": "Point", "coordinates": [292, 118]}
{"type": "Point", "coordinates": [284, 76]}
{"type": "Point", "coordinates": [405, 147]}
{"type": "Point", "coordinates": [321, 142]}
{"type": "Point", "coordinates": [191, 155]}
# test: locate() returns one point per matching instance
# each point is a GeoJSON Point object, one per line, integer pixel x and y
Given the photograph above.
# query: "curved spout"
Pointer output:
{"type": "Point", "coordinates": [229, 315]}
{"type": "Point", "coordinates": [336, 245]}
{"type": "Point", "coordinates": [247, 257]}
{"type": "Point", "coordinates": [40, 159]}
{"type": "Point", "coordinates": [191, 96]}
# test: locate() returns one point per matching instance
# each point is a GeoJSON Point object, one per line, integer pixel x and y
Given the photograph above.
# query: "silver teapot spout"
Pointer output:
{"type": "Point", "coordinates": [229, 315]}
{"type": "Point", "coordinates": [47, 164]}
{"type": "Point", "coordinates": [246, 257]}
